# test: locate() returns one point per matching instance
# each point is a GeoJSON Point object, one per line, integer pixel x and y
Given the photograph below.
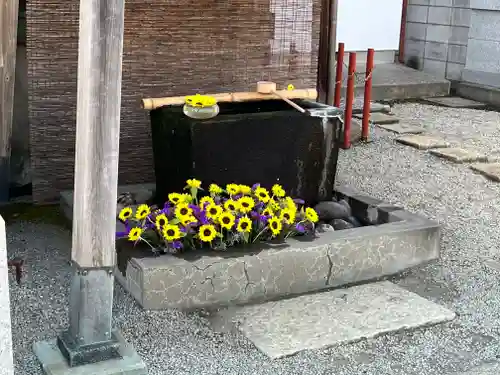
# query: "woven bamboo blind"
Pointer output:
{"type": "Point", "coordinates": [171, 48]}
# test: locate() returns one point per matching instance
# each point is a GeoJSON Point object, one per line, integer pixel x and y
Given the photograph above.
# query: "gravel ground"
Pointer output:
{"type": "Point", "coordinates": [464, 280]}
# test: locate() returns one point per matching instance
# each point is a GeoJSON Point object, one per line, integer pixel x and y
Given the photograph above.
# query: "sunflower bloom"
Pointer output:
{"type": "Point", "coordinates": [207, 233]}
{"type": "Point", "coordinates": [213, 211]}
{"type": "Point", "coordinates": [226, 220]}
{"type": "Point", "coordinates": [188, 220]}
{"type": "Point", "coordinates": [262, 194]}
{"type": "Point", "coordinates": [193, 183]}
{"type": "Point", "coordinates": [175, 198]}
{"type": "Point", "coordinates": [134, 234]}
{"type": "Point", "coordinates": [205, 200]}
{"type": "Point", "coordinates": [125, 214]}
{"type": "Point", "coordinates": [244, 225]}
{"type": "Point", "coordinates": [231, 205]}
{"type": "Point", "coordinates": [275, 225]}
{"type": "Point", "coordinates": [142, 212]}
{"type": "Point", "coordinates": [245, 190]}
{"type": "Point", "coordinates": [246, 204]}
{"type": "Point", "coordinates": [273, 204]}
{"type": "Point", "coordinates": [183, 210]}
{"type": "Point", "coordinates": [268, 212]}
{"type": "Point", "coordinates": [171, 232]}
{"type": "Point", "coordinates": [311, 215]}
{"type": "Point", "coordinates": [215, 189]}
{"type": "Point", "coordinates": [278, 191]}
{"type": "Point", "coordinates": [161, 221]}
{"type": "Point", "coordinates": [232, 189]}
{"type": "Point", "coordinates": [287, 216]}
{"type": "Point", "coordinates": [290, 204]}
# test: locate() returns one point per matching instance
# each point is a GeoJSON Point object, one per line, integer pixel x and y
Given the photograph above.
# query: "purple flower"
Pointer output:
{"type": "Point", "coordinates": [300, 228]}
{"type": "Point", "coordinates": [299, 201]}
{"type": "Point", "coordinates": [167, 209]}
{"type": "Point", "coordinates": [255, 186]}
{"type": "Point", "coordinates": [237, 196]}
{"type": "Point", "coordinates": [202, 218]}
{"type": "Point", "coordinates": [259, 206]}
{"type": "Point", "coordinates": [122, 234]}
{"type": "Point", "coordinates": [177, 245]}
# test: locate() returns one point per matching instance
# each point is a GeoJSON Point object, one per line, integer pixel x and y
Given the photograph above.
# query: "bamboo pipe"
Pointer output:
{"type": "Point", "coordinates": [264, 87]}
{"type": "Point", "coordinates": [153, 103]}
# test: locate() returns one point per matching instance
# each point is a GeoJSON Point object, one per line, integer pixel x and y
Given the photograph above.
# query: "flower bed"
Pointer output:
{"type": "Point", "coordinates": [217, 219]}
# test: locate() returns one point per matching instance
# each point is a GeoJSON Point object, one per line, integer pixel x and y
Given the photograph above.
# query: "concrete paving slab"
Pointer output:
{"type": "Point", "coordinates": [380, 118]}
{"type": "Point", "coordinates": [422, 142]}
{"type": "Point", "coordinates": [455, 102]}
{"type": "Point", "coordinates": [315, 321]}
{"type": "Point", "coordinates": [489, 170]}
{"type": "Point", "coordinates": [460, 155]}
{"type": "Point", "coordinates": [402, 129]}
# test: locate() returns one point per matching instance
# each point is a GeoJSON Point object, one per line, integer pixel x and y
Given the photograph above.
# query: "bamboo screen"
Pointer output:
{"type": "Point", "coordinates": [171, 47]}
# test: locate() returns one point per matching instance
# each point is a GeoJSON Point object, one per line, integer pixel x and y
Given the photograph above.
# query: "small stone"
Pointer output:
{"type": "Point", "coordinates": [339, 224]}
{"type": "Point", "coordinates": [372, 215]}
{"type": "Point", "coordinates": [352, 220]}
{"type": "Point", "coordinates": [322, 228]}
{"type": "Point", "coordinates": [328, 211]}
{"type": "Point", "coordinates": [422, 142]}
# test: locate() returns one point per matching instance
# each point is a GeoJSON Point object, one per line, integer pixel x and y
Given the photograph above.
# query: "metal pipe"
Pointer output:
{"type": "Point", "coordinates": [338, 75]}
{"type": "Point", "coordinates": [402, 33]}
{"type": "Point", "coordinates": [368, 94]}
{"type": "Point", "coordinates": [349, 100]}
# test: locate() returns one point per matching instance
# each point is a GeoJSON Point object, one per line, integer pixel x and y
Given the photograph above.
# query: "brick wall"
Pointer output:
{"type": "Point", "coordinates": [170, 48]}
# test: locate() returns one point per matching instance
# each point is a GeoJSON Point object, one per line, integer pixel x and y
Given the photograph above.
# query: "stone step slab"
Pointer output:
{"type": "Point", "coordinates": [422, 142]}
{"type": "Point", "coordinates": [337, 317]}
{"type": "Point", "coordinates": [492, 368]}
{"type": "Point", "coordinates": [380, 118]}
{"type": "Point", "coordinates": [489, 170]}
{"type": "Point", "coordinates": [402, 129]}
{"type": "Point", "coordinates": [454, 102]}
{"type": "Point", "coordinates": [459, 155]}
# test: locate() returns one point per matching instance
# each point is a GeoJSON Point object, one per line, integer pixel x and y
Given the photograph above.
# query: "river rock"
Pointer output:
{"type": "Point", "coordinates": [352, 220]}
{"type": "Point", "coordinates": [339, 224]}
{"type": "Point", "coordinates": [347, 206]}
{"type": "Point", "coordinates": [372, 215]}
{"type": "Point", "coordinates": [328, 211]}
{"type": "Point", "coordinates": [322, 228]}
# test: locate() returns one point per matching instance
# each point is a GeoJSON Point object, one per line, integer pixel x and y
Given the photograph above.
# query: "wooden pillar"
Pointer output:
{"type": "Point", "coordinates": [8, 43]}
{"type": "Point", "coordinates": [90, 340]}
{"type": "Point", "coordinates": [332, 61]}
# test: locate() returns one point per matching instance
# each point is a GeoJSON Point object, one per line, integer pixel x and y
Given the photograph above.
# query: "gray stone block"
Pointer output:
{"type": "Point", "coordinates": [457, 53]}
{"type": "Point", "coordinates": [461, 17]}
{"type": "Point", "coordinates": [440, 15]}
{"type": "Point", "coordinates": [438, 33]}
{"type": "Point", "coordinates": [484, 25]}
{"type": "Point", "coordinates": [436, 51]}
{"type": "Point", "coordinates": [458, 35]}
{"type": "Point", "coordinates": [417, 13]}
{"type": "Point", "coordinates": [485, 4]}
{"type": "Point", "coordinates": [454, 71]}
{"type": "Point", "coordinates": [419, 2]}
{"type": "Point", "coordinates": [441, 3]}
{"type": "Point", "coordinates": [461, 3]}
{"type": "Point", "coordinates": [487, 79]}
{"type": "Point", "coordinates": [415, 31]}
{"type": "Point", "coordinates": [437, 68]}
{"type": "Point", "coordinates": [275, 271]}
{"type": "Point", "coordinates": [478, 92]}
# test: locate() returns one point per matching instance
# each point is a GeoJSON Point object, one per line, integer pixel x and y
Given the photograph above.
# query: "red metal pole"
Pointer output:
{"type": "Point", "coordinates": [349, 100]}
{"type": "Point", "coordinates": [402, 32]}
{"type": "Point", "coordinates": [368, 94]}
{"type": "Point", "coordinates": [338, 75]}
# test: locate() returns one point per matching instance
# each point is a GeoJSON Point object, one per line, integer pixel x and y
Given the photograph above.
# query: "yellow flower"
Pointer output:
{"type": "Point", "coordinates": [244, 225]}
{"type": "Point", "coordinates": [215, 189]}
{"type": "Point", "coordinates": [275, 225]}
{"type": "Point", "coordinates": [171, 232]}
{"type": "Point", "coordinates": [193, 183]}
{"type": "Point", "coordinates": [232, 189]}
{"type": "Point", "coordinates": [175, 198]}
{"type": "Point", "coordinates": [161, 221]}
{"type": "Point", "coordinates": [278, 191]}
{"type": "Point", "coordinates": [288, 216]}
{"type": "Point", "coordinates": [245, 190]}
{"type": "Point", "coordinates": [188, 220]}
{"type": "Point", "coordinates": [207, 233]}
{"type": "Point", "coordinates": [142, 212]}
{"type": "Point", "coordinates": [262, 194]}
{"type": "Point", "coordinates": [231, 205]}
{"type": "Point", "coordinates": [290, 204]}
{"type": "Point", "coordinates": [134, 234]}
{"type": "Point", "coordinates": [311, 215]}
{"type": "Point", "coordinates": [183, 210]}
{"type": "Point", "coordinates": [273, 204]}
{"type": "Point", "coordinates": [205, 200]}
{"type": "Point", "coordinates": [268, 212]}
{"type": "Point", "coordinates": [246, 204]}
{"type": "Point", "coordinates": [213, 211]}
{"type": "Point", "coordinates": [125, 214]}
{"type": "Point", "coordinates": [226, 220]}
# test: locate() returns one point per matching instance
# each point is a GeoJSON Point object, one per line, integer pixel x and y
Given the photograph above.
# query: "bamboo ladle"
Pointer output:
{"type": "Point", "coordinates": [265, 87]}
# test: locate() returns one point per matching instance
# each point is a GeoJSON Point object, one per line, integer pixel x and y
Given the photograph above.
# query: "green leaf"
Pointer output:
{"type": "Point", "coordinates": [246, 236]}
{"type": "Point", "coordinates": [174, 221]}
{"type": "Point", "coordinates": [194, 192]}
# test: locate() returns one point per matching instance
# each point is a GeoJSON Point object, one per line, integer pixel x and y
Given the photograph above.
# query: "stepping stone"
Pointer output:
{"type": "Point", "coordinates": [492, 368]}
{"type": "Point", "coordinates": [402, 129]}
{"type": "Point", "coordinates": [422, 142]}
{"type": "Point", "coordinates": [455, 102]}
{"type": "Point", "coordinates": [380, 118]}
{"type": "Point", "coordinates": [459, 155]}
{"type": "Point", "coordinates": [315, 321]}
{"type": "Point", "coordinates": [489, 170]}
